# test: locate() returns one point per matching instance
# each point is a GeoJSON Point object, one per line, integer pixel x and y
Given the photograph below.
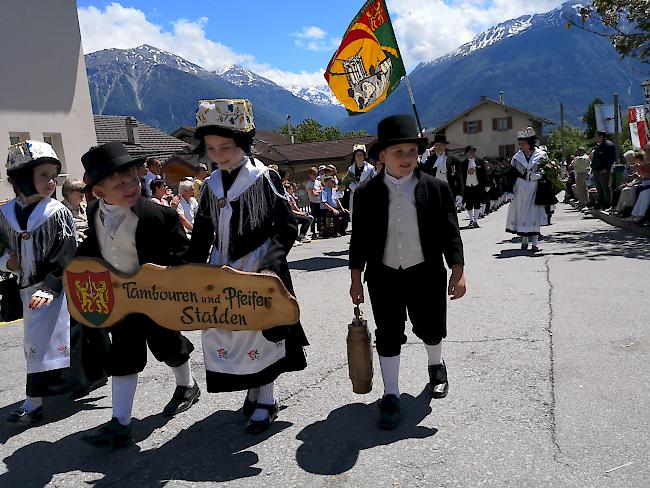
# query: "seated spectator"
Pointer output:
{"type": "Point", "coordinates": [313, 188]}
{"type": "Point", "coordinates": [161, 194]}
{"type": "Point", "coordinates": [629, 190]}
{"type": "Point", "coordinates": [73, 198]}
{"type": "Point", "coordinates": [186, 205]}
{"type": "Point", "coordinates": [303, 218]}
{"type": "Point", "coordinates": [642, 205]}
{"type": "Point", "coordinates": [332, 209]}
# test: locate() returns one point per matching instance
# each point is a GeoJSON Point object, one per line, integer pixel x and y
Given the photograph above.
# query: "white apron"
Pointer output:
{"type": "Point", "coordinates": [46, 333]}
{"type": "Point", "coordinates": [524, 217]}
{"type": "Point", "coordinates": [238, 352]}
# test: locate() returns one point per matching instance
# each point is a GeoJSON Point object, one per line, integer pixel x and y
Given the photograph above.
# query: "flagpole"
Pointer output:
{"type": "Point", "coordinates": [415, 110]}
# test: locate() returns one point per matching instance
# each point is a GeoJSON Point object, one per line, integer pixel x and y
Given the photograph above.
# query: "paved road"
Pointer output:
{"type": "Point", "coordinates": [548, 358]}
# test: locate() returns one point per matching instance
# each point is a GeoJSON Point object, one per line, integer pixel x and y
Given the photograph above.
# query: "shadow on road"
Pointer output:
{"type": "Point", "coordinates": [318, 264]}
{"type": "Point", "coordinates": [55, 409]}
{"type": "Point", "coordinates": [514, 253]}
{"type": "Point", "coordinates": [332, 446]}
{"type": "Point", "coordinates": [211, 450]}
{"type": "Point", "coordinates": [599, 244]}
{"type": "Point", "coordinates": [345, 252]}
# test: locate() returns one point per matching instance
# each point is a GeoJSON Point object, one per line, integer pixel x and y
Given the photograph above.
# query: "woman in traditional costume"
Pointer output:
{"type": "Point", "coordinates": [245, 218]}
{"type": "Point", "coordinates": [525, 216]}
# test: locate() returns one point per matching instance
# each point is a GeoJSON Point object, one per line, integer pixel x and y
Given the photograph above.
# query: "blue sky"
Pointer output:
{"type": "Point", "coordinates": [288, 41]}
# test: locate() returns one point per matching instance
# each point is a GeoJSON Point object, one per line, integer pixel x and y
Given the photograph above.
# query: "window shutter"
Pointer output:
{"type": "Point", "coordinates": [509, 122]}
{"type": "Point", "coordinates": [479, 126]}
{"type": "Point", "coordinates": [465, 127]}
{"type": "Point", "coordinates": [494, 124]}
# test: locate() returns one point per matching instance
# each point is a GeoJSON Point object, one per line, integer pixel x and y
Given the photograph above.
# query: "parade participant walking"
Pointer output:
{"type": "Point", "coordinates": [524, 216]}
{"type": "Point", "coordinates": [244, 217]}
{"type": "Point", "coordinates": [476, 185]}
{"type": "Point", "coordinates": [41, 241]}
{"type": "Point", "coordinates": [127, 230]}
{"type": "Point", "coordinates": [360, 170]}
{"type": "Point", "coordinates": [445, 167]}
{"type": "Point", "coordinates": [404, 223]}
{"type": "Point", "coordinates": [313, 189]}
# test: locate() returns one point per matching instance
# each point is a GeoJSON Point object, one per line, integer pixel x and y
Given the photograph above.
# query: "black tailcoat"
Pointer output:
{"type": "Point", "coordinates": [454, 177]}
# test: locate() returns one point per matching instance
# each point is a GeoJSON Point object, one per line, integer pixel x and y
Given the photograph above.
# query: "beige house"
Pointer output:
{"type": "Point", "coordinates": [491, 127]}
{"type": "Point", "coordinates": [44, 91]}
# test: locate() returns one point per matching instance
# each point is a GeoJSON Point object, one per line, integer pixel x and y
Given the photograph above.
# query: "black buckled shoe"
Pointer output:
{"type": "Point", "coordinates": [259, 426]}
{"type": "Point", "coordinates": [23, 418]}
{"type": "Point", "coordinates": [389, 412]}
{"type": "Point", "coordinates": [110, 435]}
{"type": "Point", "coordinates": [249, 407]}
{"type": "Point", "coordinates": [184, 397]}
{"type": "Point", "coordinates": [438, 384]}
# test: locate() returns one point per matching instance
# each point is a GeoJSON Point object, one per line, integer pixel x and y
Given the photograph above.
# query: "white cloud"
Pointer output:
{"type": "Point", "coordinates": [315, 39]}
{"type": "Point", "coordinates": [312, 32]}
{"type": "Point", "coordinates": [428, 29]}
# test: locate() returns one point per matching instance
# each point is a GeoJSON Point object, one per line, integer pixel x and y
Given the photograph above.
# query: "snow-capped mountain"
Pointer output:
{"type": "Point", "coordinates": [319, 95]}
{"type": "Point", "coordinates": [162, 89]}
{"type": "Point", "coordinates": [143, 58]}
{"type": "Point", "coordinates": [535, 60]}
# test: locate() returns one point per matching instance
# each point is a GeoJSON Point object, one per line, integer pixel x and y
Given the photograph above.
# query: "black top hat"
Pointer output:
{"type": "Point", "coordinates": [103, 161]}
{"type": "Point", "coordinates": [440, 137]}
{"type": "Point", "coordinates": [469, 148]}
{"type": "Point", "coordinates": [396, 129]}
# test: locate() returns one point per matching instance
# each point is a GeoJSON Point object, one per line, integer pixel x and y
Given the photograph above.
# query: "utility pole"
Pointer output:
{"type": "Point", "coordinates": [562, 131]}
{"type": "Point", "coordinates": [288, 117]}
{"type": "Point", "coordinates": [616, 126]}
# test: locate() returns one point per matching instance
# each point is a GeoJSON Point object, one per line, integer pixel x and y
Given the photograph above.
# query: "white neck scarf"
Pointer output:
{"type": "Point", "coordinates": [471, 164]}
{"type": "Point", "coordinates": [112, 217]}
{"type": "Point", "coordinates": [441, 162]}
{"type": "Point", "coordinates": [398, 181]}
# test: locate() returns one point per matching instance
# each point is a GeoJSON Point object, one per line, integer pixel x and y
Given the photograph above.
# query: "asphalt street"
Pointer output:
{"type": "Point", "coordinates": [548, 360]}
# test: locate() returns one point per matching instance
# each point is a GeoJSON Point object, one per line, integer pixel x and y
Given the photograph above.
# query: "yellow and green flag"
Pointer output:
{"type": "Point", "coordinates": [367, 66]}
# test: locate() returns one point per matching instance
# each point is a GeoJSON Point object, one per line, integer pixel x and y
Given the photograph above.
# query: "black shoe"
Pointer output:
{"type": "Point", "coordinates": [476, 226]}
{"type": "Point", "coordinates": [389, 412]}
{"type": "Point", "coordinates": [471, 225]}
{"type": "Point", "coordinates": [249, 407]}
{"type": "Point", "coordinates": [87, 389]}
{"type": "Point", "coordinates": [438, 384]}
{"type": "Point", "coordinates": [259, 426]}
{"type": "Point", "coordinates": [535, 249]}
{"type": "Point", "coordinates": [110, 435]}
{"type": "Point", "coordinates": [184, 397]}
{"type": "Point", "coordinates": [22, 417]}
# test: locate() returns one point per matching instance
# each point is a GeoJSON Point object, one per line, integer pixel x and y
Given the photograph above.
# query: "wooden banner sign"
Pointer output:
{"type": "Point", "coordinates": [188, 297]}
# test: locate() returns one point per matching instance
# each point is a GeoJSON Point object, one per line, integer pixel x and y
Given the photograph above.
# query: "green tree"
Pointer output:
{"type": "Point", "coordinates": [573, 138]}
{"type": "Point", "coordinates": [590, 118]}
{"type": "Point", "coordinates": [311, 130]}
{"type": "Point", "coordinates": [626, 24]}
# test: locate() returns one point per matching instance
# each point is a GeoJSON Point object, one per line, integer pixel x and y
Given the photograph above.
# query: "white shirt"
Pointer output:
{"type": "Point", "coordinates": [403, 248]}
{"type": "Point", "coordinates": [441, 168]}
{"type": "Point", "coordinates": [120, 251]}
{"type": "Point", "coordinates": [471, 180]}
{"type": "Point", "coordinates": [188, 208]}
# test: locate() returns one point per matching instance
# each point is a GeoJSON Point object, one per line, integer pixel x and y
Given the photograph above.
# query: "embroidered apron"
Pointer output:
{"type": "Point", "coordinates": [46, 333]}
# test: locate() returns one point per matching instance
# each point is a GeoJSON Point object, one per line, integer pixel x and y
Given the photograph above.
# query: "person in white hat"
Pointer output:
{"type": "Point", "coordinates": [244, 221]}
{"type": "Point", "coordinates": [41, 241]}
{"type": "Point", "coordinates": [360, 170]}
{"type": "Point", "coordinates": [524, 216]}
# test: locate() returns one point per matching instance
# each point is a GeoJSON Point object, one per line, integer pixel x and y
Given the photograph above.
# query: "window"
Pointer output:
{"type": "Point", "coordinates": [55, 140]}
{"type": "Point", "coordinates": [47, 139]}
{"type": "Point", "coordinates": [502, 124]}
{"type": "Point", "coordinates": [506, 151]}
{"type": "Point", "coordinates": [18, 137]}
{"type": "Point", "coordinates": [472, 126]}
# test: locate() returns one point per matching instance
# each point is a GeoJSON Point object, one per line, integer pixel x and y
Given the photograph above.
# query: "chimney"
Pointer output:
{"type": "Point", "coordinates": [483, 98]}
{"type": "Point", "coordinates": [132, 132]}
{"type": "Point", "coordinates": [501, 100]}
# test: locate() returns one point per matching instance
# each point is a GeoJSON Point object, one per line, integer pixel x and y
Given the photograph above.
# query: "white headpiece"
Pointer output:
{"type": "Point", "coordinates": [232, 114]}
{"type": "Point", "coordinates": [359, 147]}
{"type": "Point", "coordinates": [28, 153]}
{"type": "Point", "coordinates": [526, 133]}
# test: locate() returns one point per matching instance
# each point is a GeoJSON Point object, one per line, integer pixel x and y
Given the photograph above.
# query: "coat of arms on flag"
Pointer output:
{"type": "Point", "coordinates": [367, 66]}
{"type": "Point", "coordinates": [638, 126]}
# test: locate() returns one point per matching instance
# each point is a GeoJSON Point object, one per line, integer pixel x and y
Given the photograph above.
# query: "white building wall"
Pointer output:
{"type": "Point", "coordinates": [44, 87]}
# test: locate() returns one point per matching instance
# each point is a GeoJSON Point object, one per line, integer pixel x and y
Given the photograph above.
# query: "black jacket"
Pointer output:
{"type": "Point", "coordinates": [437, 222]}
{"type": "Point", "coordinates": [481, 173]}
{"type": "Point", "coordinates": [454, 177]}
{"type": "Point", "coordinates": [159, 236]}
{"type": "Point", "coordinates": [604, 156]}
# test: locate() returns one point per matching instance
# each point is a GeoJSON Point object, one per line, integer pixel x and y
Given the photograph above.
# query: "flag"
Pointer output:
{"type": "Point", "coordinates": [367, 66]}
{"type": "Point", "coordinates": [638, 126]}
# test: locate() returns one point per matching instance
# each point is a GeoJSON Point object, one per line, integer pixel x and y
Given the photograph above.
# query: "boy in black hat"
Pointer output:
{"type": "Point", "coordinates": [476, 185]}
{"type": "Point", "coordinates": [404, 222]}
{"type": "Point", "coordinates": [127, 231]}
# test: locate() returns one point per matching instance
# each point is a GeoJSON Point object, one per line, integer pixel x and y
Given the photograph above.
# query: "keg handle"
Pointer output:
{"type": "Point", "coordinates": [358, 314]}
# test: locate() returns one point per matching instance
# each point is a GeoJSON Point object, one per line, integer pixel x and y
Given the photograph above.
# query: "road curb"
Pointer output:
{"type": "Point", "coordinates": [620, 223]}
{"type": "Point", "coordinates": [10, 323]}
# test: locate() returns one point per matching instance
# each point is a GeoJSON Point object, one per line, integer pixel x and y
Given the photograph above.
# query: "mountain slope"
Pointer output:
{"type": "Point", "coordinates": [162, 89]}
{"type": "Point", "coordinates": [535, 60]}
